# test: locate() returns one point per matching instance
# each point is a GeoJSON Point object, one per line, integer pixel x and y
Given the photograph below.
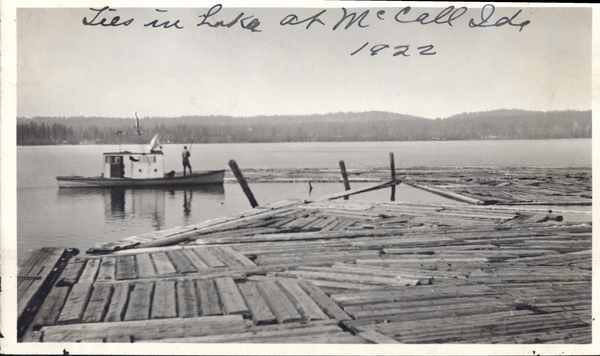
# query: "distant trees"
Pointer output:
{"type": "Point", "coordinates": [43, 134]}
{"type": "Point", "coordinates": [374, 126]}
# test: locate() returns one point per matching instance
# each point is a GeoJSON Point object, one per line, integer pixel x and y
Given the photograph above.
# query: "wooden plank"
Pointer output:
{"type": "Point", "coordinates": [181, 263]}
{"type": "Point", "coordinates": [118, 301]}
{"type": "Point", "coordinates": [187, 303]}
{"type": "Point", "coordinates": [267, 333]}
{"type": "Point", "coordinates": [30, 260]}
{"type": "Point", "coordinates": [98, 304]}
{"type": "Point", "coordinates": [107, 270]}
{"type": "Point", "coordinates": [208, 258]}
{"type": "Point", "coordinates": [209, 298]}
{"type": "Point", "coordinates": [261, 314]}
{"type": "Point", "coordinates": [48, 313]}
{"type": "Point", "coordinates": [194, 259]}
{"type": "Point", "coordinates": [342, 285]}
{"type": "Point", "coordinates": [70, 274]}
{"type": "Point", "coordinates": [37, 276]}
{"type": "Point", "coordinates": [348, 277]}
{"type": "Point", "coordinates": [327, 305]}
{"type": "Point", "coordinates": [307, 307]}
{"type": "Point", "coordinates": [374, 337]}
{"type": "Point", "coordinates": [39, 259]}
{"type": "Point", "coordinates": [145, 329]}
{"type": "Point", "coordinates": [278, 302]}
{"type": "Point", "coordinates": [334, 337]}
{"type": "Point", "coordinates": [173, 328]}
{"type": "Point", "coordinates": [75, 303]}
{"type": "Point", "coordinates": [229, 261]}
{"type": "Point", "coordinates": [164, 302]}
{"type": "Point", "coordinates": [118, 338]}
{"type": "Point", "coordinates": [358, 191]}
{"type": "Point", "coordinates": [126, 267]}
{"type": "Point", "coordinates": [90, 339]}
{"type": "Point", "coordinates": [241, 258]}
{"type": "Point", "coordinates": [230, 296]}
{"type": "Point", "coordinates": [163, 264]}
{"type": "Point", "coordinates": [138, 307]}
{"type": "Point", "coordinates": [145, 266]}
{"type": "Point", "coordinates": [89, 272]}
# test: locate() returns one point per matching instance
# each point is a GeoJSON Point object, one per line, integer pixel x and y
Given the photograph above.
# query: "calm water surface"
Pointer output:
{"type": "Point", "coordinates": [49, 216]}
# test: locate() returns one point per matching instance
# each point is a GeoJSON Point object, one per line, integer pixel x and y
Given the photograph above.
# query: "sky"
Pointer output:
{"type": "Point", "coordinates": [66, 68]}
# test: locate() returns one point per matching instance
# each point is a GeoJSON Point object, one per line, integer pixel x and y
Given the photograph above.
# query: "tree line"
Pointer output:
{"type": "Point", "coordinates": [501, 124]}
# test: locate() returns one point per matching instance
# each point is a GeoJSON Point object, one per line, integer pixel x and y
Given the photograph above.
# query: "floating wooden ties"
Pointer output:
{"type": "Point", "coordinates": [36, 274]}
{"type": "Point", "coordinates": [231, 299]}
{"type": "Point", "coordinates": [388, 271]}
{"type": "Point", "coordinates": [145, 329]}
{"type": "Point", "coordinates": [278, 302]}
{"type": "Point", "coordinates": [94, 311]}
{"type": "Point", "coordinates": [140, 298]}
{"type": "Point", "coordinates": [118, 301]}
{"type": "Point", "coordinates": [75, 303]}
{"type": "Point", "coordinates": [126, 267]}
{"type": "Point", "coordinates": [209, 298]}
{"type": "Point", "coordinates": [50, 310]}
{"type": "Point", "coordinates": [187, 301]}
{"type": "Point", "coordinates": [71, 272]}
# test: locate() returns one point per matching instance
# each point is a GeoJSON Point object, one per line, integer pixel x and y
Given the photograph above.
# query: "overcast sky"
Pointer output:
{"type": "Point", "coordinates": [68, 69]}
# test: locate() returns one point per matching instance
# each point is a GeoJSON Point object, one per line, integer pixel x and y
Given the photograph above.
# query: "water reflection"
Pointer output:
{"type": "Point", "coordinates": [141, 204]}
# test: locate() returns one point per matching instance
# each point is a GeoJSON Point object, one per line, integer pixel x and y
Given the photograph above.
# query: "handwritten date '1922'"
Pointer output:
{"type": "Point", "coordinates": [402, 50]}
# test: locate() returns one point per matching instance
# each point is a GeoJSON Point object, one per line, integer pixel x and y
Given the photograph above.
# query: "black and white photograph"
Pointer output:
{"type": "Point", "coordinates": [319, 177]}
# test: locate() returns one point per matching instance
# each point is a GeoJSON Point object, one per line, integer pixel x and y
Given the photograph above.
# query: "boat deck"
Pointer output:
{"type": "Point", "coordinates": [325, 272]}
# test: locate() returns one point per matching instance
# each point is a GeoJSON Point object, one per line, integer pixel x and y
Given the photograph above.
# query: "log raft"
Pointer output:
{"type": "Point", "coordinates": [327, 271]}
{"type": "Point", "coordinates": [473, 185]}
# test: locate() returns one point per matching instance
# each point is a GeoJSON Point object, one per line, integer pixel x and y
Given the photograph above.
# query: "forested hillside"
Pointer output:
{"type": "Point", "coordinates": [367, 126]}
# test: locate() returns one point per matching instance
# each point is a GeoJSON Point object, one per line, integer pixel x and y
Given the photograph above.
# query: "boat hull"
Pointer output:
{"type": "Point", "coordinates": [201, 178]}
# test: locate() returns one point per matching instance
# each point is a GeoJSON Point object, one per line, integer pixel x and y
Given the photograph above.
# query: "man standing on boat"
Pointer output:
{"type": "Point", "coordinates": [185, 155]}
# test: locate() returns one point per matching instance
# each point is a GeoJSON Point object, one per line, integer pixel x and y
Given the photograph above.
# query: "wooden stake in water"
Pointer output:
{"type": "Point", "coordinates": [345, 177]}
{"type": "Point", "coordinates": [240, 178]}
{"type": "Point", "coordinates": [393, 168]}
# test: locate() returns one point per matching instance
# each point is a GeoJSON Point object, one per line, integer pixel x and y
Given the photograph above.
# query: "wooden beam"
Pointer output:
{"type": "Point", "coordinates": [345, 177]}
{"type": "Point", "coordinates": [240, 178]}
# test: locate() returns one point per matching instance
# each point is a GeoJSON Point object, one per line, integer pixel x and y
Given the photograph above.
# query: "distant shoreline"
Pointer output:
{"type": "Point", "coordinates": [187, 142]}
{"type": "Point", "coordinates": [341, 127]}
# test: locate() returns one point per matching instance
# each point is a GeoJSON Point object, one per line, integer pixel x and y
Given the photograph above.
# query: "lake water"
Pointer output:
{"type": "Point", "coordinates": [49, 216]}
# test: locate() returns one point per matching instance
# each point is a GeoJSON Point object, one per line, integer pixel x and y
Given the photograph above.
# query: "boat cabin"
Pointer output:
{"type": "Point", "coordinates": [134, 165]}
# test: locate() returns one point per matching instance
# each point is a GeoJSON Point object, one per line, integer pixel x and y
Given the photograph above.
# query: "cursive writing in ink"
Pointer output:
{"type": "Point", "coordinates": [501, 22]}
{"type": "Point", "coordinates": [293, 20]}
{"type": "Point", "coordinates": [114, 22]}
{"type": "Point", "coordinates": [402, 50]}
{"type": "Point", "coordinates": [360, 18]}
{"type": "Point", "coordinates": [425, 50]}
{"type": "Point", "coordinates": [215, 9]}
{"type": "Point", "coordinates": [452, 14]}
{"type": "Point", "coordinates": [166, 24]}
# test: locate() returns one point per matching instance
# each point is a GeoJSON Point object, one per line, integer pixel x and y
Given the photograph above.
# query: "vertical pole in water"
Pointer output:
{"type": "Point", "coordinates": [393, 168]}
{"type": "Point", "coordinates": [240, 178]}
{"type": "Point", "coordinates": [345, 177]}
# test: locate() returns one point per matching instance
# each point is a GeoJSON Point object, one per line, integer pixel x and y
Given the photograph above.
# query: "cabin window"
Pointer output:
{"type": "Point", "coordinates": [140, 169]}
{"type": "Point", "coordinates": [155, 170]}
{"type": "Point", "coordinates": [154, 157]}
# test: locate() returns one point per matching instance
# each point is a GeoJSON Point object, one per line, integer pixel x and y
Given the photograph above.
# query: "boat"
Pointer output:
{"type": "Point", "coordinates": [140, 170]}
